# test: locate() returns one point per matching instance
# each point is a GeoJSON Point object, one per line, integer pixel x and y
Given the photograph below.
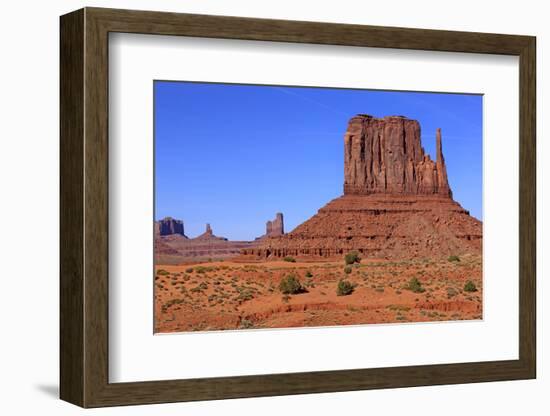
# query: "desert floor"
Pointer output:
{"type": "Point", "coordinates": [229, 295]}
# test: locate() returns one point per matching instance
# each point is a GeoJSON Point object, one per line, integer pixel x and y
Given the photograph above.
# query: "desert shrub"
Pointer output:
{"type": "Point", "coordinates": [189, 270]}
{"type": "Point", "coordinates": [201, 287]}
{"type": "Point", "coordinates": [162, 272]}
{"type": "Point", "coordinates": [246, 324]}
{"type": "Point", "coordinates": [352, 257]}
{"type": "Point", "coordinates": [470, 286]}
{"type": "Point", "coordinates": [344, 288]}
{"type": "Point", "coordinates": [347, 269]}
{"type": "Point", "coordinates": [289, 259]}
{"type": "Point", "coordinates": [451, 292]}
{"type": "Point", "coordinates": [309, 274]}
{"type": "Point", "coordinates": [415, 285]}
{"type": "Point", "coordinates": [290, 285]}
{"type": "Point", "coordinates": [172, 302]}
{"type": "Point", "coordinates": [453, 258]}
{"type": "Point", "coordinates": [245, 295]}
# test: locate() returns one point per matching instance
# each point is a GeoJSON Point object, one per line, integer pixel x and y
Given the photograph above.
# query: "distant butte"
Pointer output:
{"type": "Point", "coordinates": [209, 235]}
{"type": "Point", "coordinates": [275, 227]}
{"type": "Point", "coordinates": [397, 202]}
{"type": "Point", "coordinates": [169, 226]}
{"type": "Point", "coordinates": [172, 246]}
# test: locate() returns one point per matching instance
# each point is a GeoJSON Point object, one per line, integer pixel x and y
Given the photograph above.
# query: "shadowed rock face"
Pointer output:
{"type": "Point", "coordinates": [397, 202]}
{"type": "Point", "coordinates": [169, 226]}
{"type": "Point", "coordinates": [385, 156]}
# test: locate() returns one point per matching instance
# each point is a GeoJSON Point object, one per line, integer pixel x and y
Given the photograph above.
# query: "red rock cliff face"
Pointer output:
{"type": "Point", "coordinates": [275, 227]}
{"type": "Point", "coordinates": [385, 156]}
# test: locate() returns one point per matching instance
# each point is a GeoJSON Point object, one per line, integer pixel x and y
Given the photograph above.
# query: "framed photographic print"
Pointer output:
{"type": "Point", "coordinates": [255, 207]}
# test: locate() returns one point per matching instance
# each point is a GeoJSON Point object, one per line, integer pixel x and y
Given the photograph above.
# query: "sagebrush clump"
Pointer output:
{"type": "Point", "coordinates": [344, 288]}
{"type": "Point", "coordinates": [415, 286]}
{"type": "Point", "coordinates": [470, 286]}
{"type": "Point", "coordinates": [290, 285]}
{"type": "Point", "coordinates": [352, 257]}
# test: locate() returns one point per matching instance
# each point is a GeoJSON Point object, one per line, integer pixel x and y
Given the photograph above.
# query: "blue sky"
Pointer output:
{"type": "Point", "coordinates": [234, 155]}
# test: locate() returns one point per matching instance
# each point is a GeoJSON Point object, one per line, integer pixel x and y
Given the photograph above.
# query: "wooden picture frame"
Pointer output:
{"type": "Point", "coordinates": [84, 207]}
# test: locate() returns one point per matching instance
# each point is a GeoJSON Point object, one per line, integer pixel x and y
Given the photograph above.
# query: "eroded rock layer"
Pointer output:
{"type": "Point", "coordinates": [380, 226]}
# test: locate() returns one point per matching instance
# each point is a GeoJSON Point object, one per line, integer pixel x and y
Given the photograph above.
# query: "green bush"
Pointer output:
{"type": "Point", "coordinates": [290, 259]}
{"type": "Point", "coordinates": [344, 288]}
{"type": "Point", "coordinates": [309, 274]}
{"type": "Point", "coordinates": [347, 269]}
{"type": "Point", "coordinates": [162, 272]}
{"type": "Point", "coordinates": [470, 286]}
{"type": "Point", "coordinates": [290, 285]}
{"type": "Point", "coordinates": [453, 258]}
{"type": "Point", "coordinates": [352, 257]}
{"type": "Point", "coordinates": [415, 285]}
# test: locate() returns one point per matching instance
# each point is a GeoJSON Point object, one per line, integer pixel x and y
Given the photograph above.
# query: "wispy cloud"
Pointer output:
{"type": "Point", "coordinates": [289, 91]}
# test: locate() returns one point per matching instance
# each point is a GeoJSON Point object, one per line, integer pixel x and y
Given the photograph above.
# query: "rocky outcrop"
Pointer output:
{"type": "Point", "coordinates": [385, 156]}
{"type": "Point", "coordinates": [169, 226]}
{"type": "Point", "coordinates": [397, 202]}
{"type": "Point", "coordinates": [209, 235]}
{"type": "Point", "coordinates": [275, 227]}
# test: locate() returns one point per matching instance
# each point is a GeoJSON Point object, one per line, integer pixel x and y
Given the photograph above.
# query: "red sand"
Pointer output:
{"type": "Point", "coordinates": [233, 295]}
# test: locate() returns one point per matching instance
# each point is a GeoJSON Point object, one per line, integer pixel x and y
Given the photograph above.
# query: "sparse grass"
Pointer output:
{"type": "Point", "coordinates": [201, 287]}
{"type": "Point", "coordinates": [399, 308]}
{"type": "Point", "coordinates": [347, 269]}
{"type": "Point", "coordinates": [470, 286]}
{"type": "Point", "coordinates": [245, 295]}
{"type": "Point", "coordinates": [172, 302]}
{"type": "Point", "coordinates": [451, 292]}
{"type": "Point", "coordinates": [453, 258]}
{"type": "Point", "coordinates": [246, 324]}
{"type": "Point", "coordinates": [289, 259]}
{"type": "Point", "coordinates": [290, 285]}
{"type": "Point", "coordinates": [162, 272]}
{"type": "Point", "coordinates": [352, 257]}
{"type": "Point", "coordinates": [189, 270]}
{"type": "Point", "coordinates": [344, 287]}
{"type": "Point", "coordinates": [309, 274]}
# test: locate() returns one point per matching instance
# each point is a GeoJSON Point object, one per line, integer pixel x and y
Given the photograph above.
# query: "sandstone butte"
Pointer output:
{"type": "Point", "coordinates": [274, 228]}
{"type": "Point", "coordinates": [397, 202]}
